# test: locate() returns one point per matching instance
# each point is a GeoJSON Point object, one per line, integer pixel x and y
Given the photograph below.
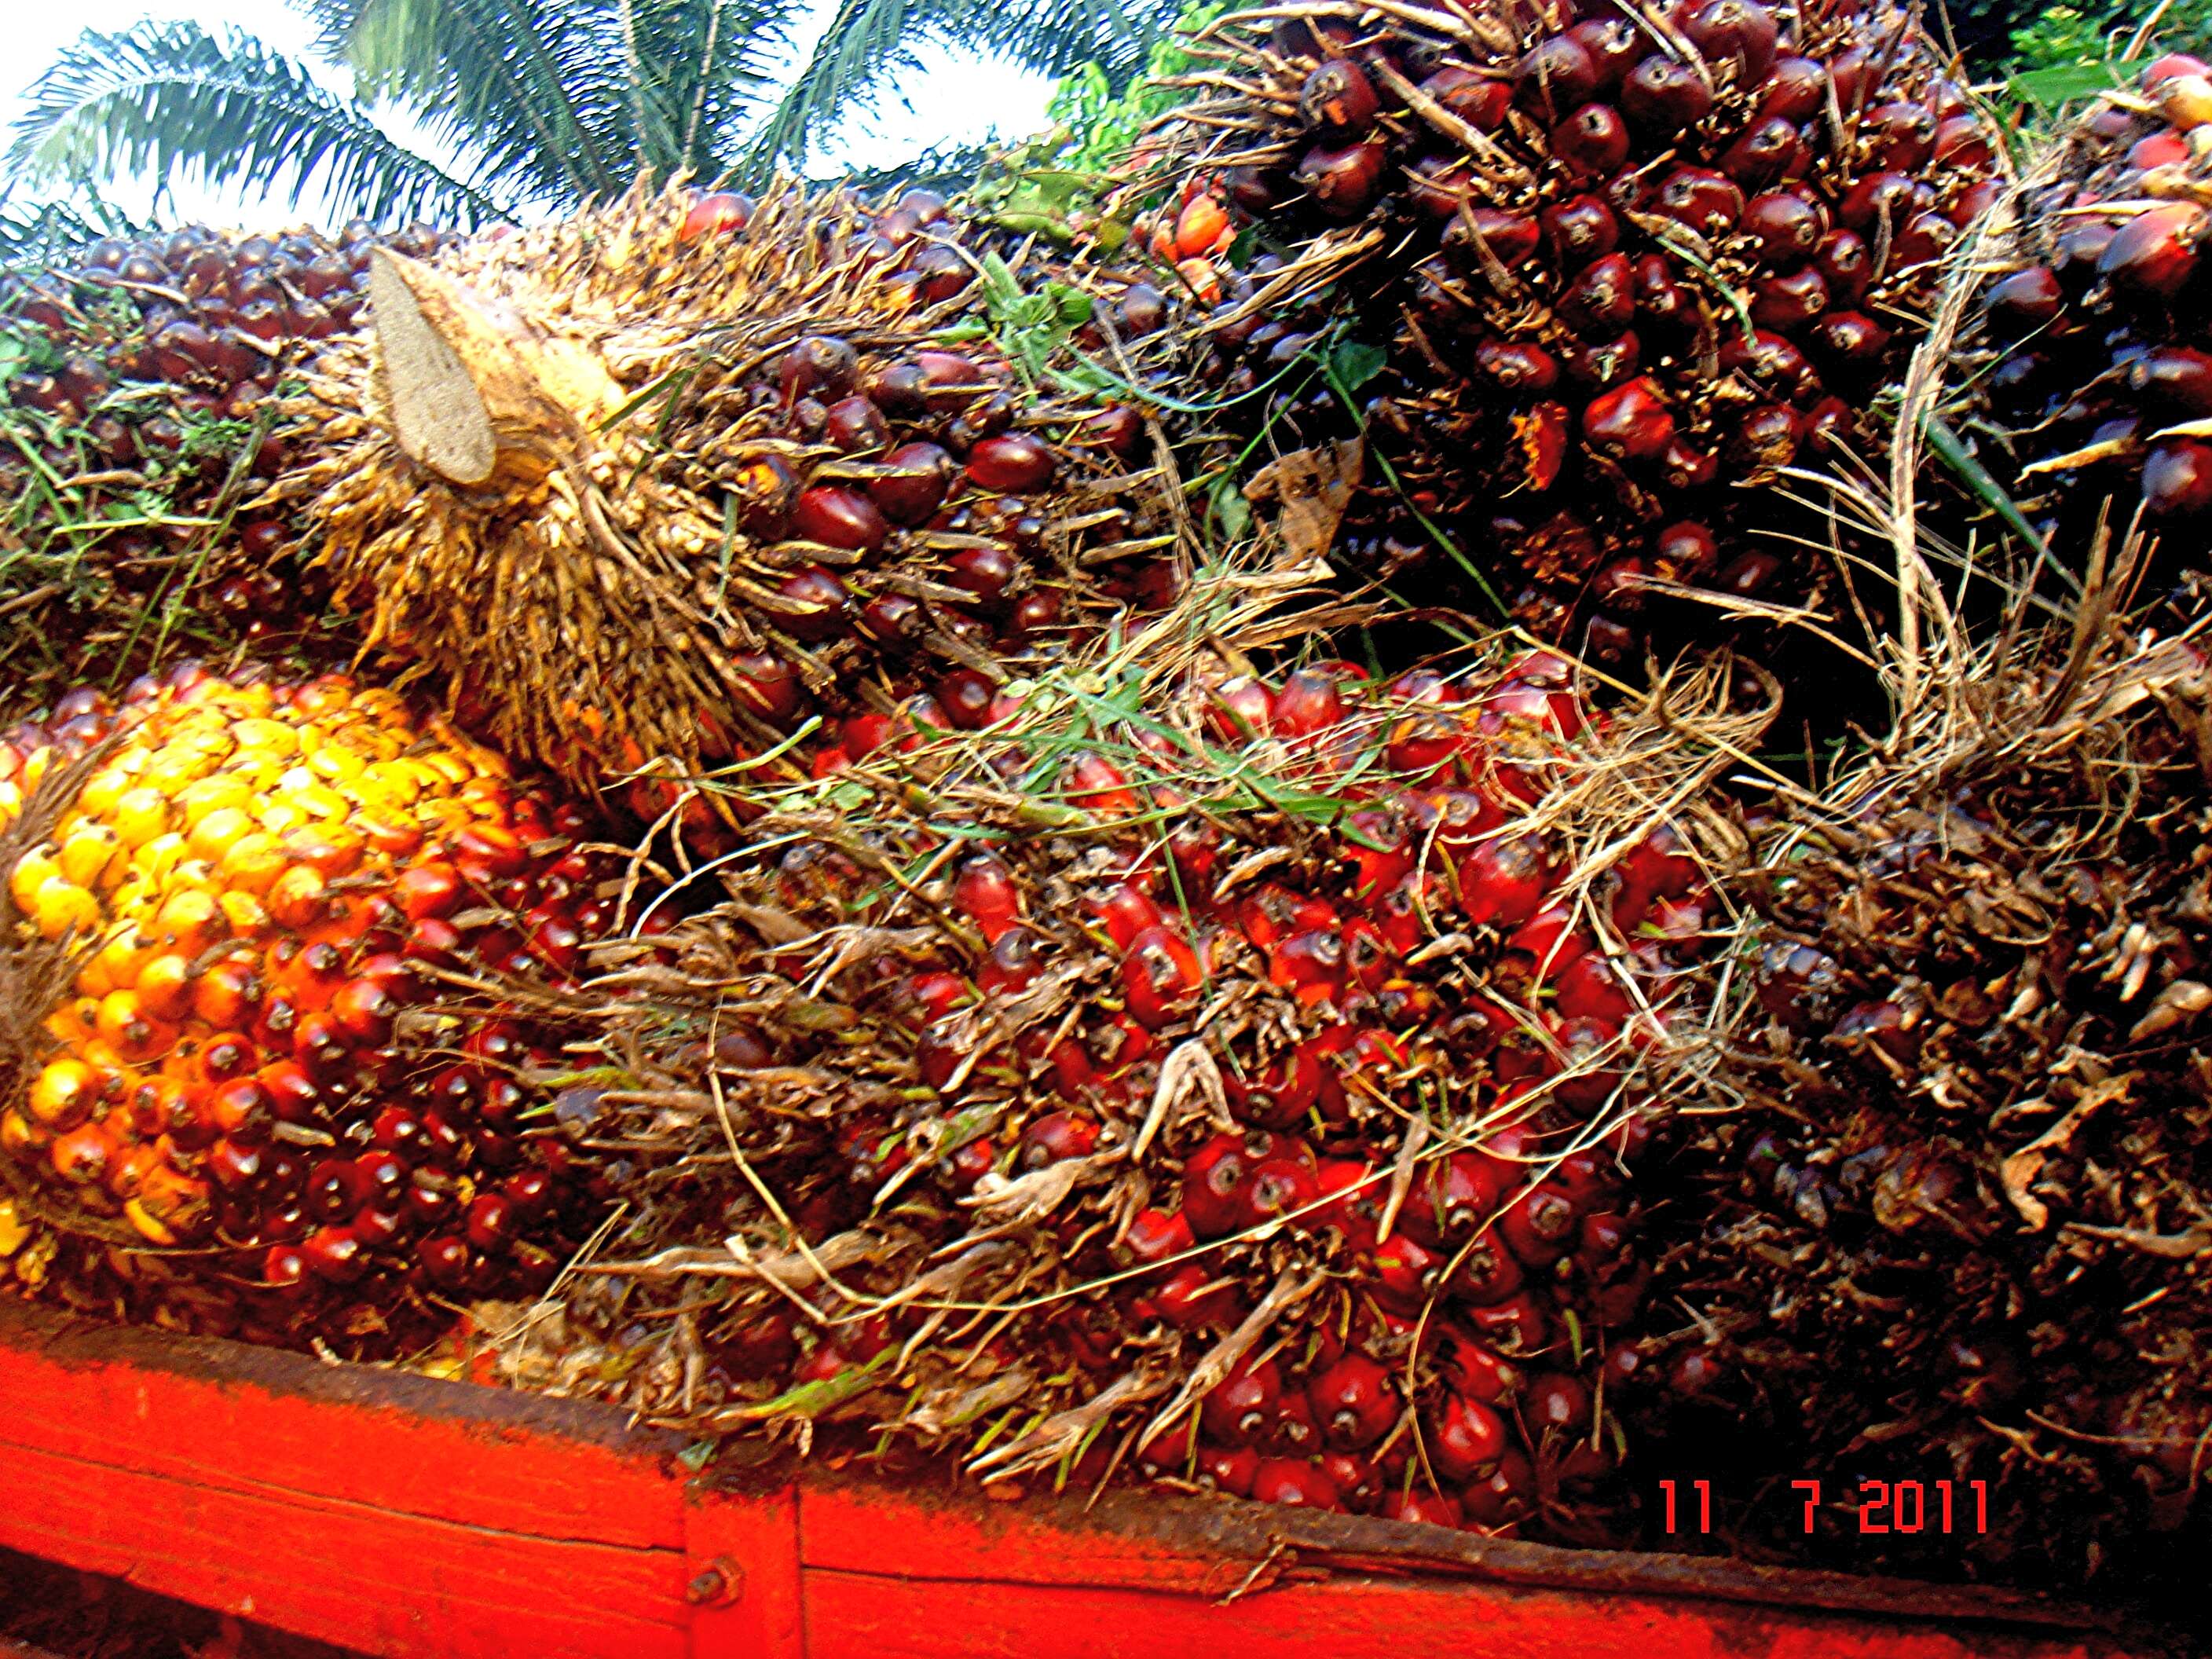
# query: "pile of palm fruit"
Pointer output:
{"type": "Point", "coordinates": [975, 947]}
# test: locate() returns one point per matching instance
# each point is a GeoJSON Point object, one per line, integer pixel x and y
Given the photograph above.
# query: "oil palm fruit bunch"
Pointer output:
{"type": "Point", "coordinates": [261, 1074]}
{"type": "Point", "coordinates": [1240, 1088]}
{"type": "Point", "coordinates": [2096, 318]}
{"type": "Point", "coordinates": [666, 480]}
{"type": "Point", "coordinates": [1955, 1239]}
{"type": "Point", "coordinates": [140, 379]}
{"type": "Point", "coordinates": [1629, 268]}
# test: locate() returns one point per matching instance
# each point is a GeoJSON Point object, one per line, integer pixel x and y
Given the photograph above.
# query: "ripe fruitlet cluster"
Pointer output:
{"type": "Point", "coordinates": [1287, 1021]}
{"type": "Point", "coordinates": [1639, 266]}
{"type": "Point", "coordinates": [247, 890]}
{"type": "Point", "coordinates": [748, 463]}
{"type": "Point", "coordinates": [152, 363]}
{"type": "Point", "coordinates": [2098, 327]}
{"type": "Point", "coordinates": [1974, 1153]}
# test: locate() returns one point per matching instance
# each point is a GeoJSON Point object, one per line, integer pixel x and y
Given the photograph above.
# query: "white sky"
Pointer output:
{"type": "Point", "coordinates": [960, 97]}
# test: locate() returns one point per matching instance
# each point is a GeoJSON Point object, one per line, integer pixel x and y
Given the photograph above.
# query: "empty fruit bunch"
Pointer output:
{"type": "Point", "coordinates": [260, 1075]}
{"type": "Point", "coordinates": [1630, 267]}
{"type": "Point", "coordinates": [1957, 1231]}
{"type": "Point", "coordinates": [1246, 1093]}
{"type": "Point", "coordinates": [719, 468]}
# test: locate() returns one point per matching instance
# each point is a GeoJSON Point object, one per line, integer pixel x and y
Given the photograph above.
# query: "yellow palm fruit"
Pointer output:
{"type": "Point", "coordinates": [141, 816]}
{"type": "Point", "coordinates": [88, 849]}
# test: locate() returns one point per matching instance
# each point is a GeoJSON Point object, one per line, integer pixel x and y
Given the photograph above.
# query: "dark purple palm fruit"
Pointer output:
{"type": "Point", "coordinates": [1622, 278]}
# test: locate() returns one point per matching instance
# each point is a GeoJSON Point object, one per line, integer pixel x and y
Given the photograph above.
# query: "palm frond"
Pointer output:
{"type": "Point", "coordinates": [171, 99]}
{"type": "Point", "coordinates": [865, 41]}
{"type": "Point", "coordinates": [35, 230]}
{"type": "Point", "coordinates": [1057, 36]}
{"type": "Point", "coordinates": [536, 88]}
{"type": "Point", "coordinates": [703, 66]}
{"type": "Point", "coordinates": [868, 40]}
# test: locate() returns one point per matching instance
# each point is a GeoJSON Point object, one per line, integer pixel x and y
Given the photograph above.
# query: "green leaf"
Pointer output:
{"type": "Point", "coordinates": [1352, 364]}
{"type": "Point", "coordinates": [2062, 84]}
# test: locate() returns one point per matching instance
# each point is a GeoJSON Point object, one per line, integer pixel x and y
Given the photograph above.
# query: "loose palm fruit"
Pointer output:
{"type": "Point", "coordinates": [250, 1009]}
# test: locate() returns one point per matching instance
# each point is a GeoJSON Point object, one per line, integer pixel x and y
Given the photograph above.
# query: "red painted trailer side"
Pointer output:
{"type": "Point", "coordinates": [402, 1516]}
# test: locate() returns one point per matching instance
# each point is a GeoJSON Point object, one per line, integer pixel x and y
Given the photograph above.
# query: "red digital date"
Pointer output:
{"type": "Point", "coordinates": [1907, 1506]}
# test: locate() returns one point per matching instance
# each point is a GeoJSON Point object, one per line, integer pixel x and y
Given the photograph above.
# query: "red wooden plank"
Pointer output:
{"type": "Point", "coordinates": [858, 1615]}
{"type": "Point", "coordinates": [744, 1560]}
{"type": "Point", "coordinates": [229, 1417]}
{"type": "Point", "coordinates": [345, 1571]}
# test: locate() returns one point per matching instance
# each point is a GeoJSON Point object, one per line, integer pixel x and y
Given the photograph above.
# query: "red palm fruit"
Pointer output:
{"type": "Point", "coordinates": [1155, 1235]}
{"type": "Point", "coordinates": [1340, 99]}
{"type": "Point", "coordinates": [1055, 1136]}
{"type": "Point", "coordinates": [1161, 976]}
{"type": "Point", "coordinates": [1013, 463]}
{"type": "Point", "coordinates": [1579, 229]}
{"type": "Point", "coordinates": [1451, 1197]}
{"type": "Point", "coordinates": [987, 894]}
{"type": "Point", "coordinates": [1464, 1439]}
{"type": "Point", "coordinates": [1516, 1325]}
{"type": "Point", "coordinates": [1342, 180]}
{"type": "Point", "coordinates": [838, 517]}
{"type": "Point", "coordinates": [1554, 77]}
{"type": "Point", "coordinates": [1506, 1495]}
{"type": "Point", "coordinates": [1432, 1509]}
{"type": "Point", "coordinates": [1231, 1469]}
{"type": "Point", "coordinates": [1663, 96]}
{"type": "Point", "coordinates": [2177, 479]}
{"type": "Point", "coordinates": [1239, 709]}
{"type": "Point", "coordinates": [1279, 1095]}
{"type": "Point", "coordinates": [1407, 1273]}
{"type": "Point", "coordinates": [1214, 1181]}
{"type": "Point", "coordinates": [1295, 1483]}
{"type": "Point", "coordinates": [1503, 881]}
{"type": "Point", "coordinates": [723, 213]}
{"type": "Point", "coordinates": [1193, 1298]}
{"type": "Point", "coordinates": [1309, 701]}
{"type": "Point", "coordinates": [1096, 783]}
{"type": "Point", "coordinates": [1477, 1371]}
{"type": "Point", "coordinates": [1592, 141]}
{"type": "Point", "coordinates": [1354, 1402]}
{"type": "Point", "coordinates": [2151, 256]}
{"type": "Point", "coordinates": [1540, 1225]}
{"type": "Point", "coordinates": [1487, 1271]}
{"type": "Point", "coordinates": [1629, 422]}
{"type": "Point", "coordinates": [1279, 1189]}
{"type": "Point", "coordinates": [1236, 1410]}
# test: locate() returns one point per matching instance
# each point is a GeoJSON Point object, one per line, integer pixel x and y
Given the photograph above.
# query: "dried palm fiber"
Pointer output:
{"type": "Point", "coordinates": [272, 959]}
{"type": "Point", "coordinates": [1234, 1080]}
{"type": "Point", "coordinates": [135, 422]}
{"type": "Point", "coordinates": [1950, 1219]}
{"type": "Point", "coordinates": [1627, 275]}
{"type": "Point", "coordinates": [649, 496]}
{"type": "Point", "coordinates": [2088, 381]}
